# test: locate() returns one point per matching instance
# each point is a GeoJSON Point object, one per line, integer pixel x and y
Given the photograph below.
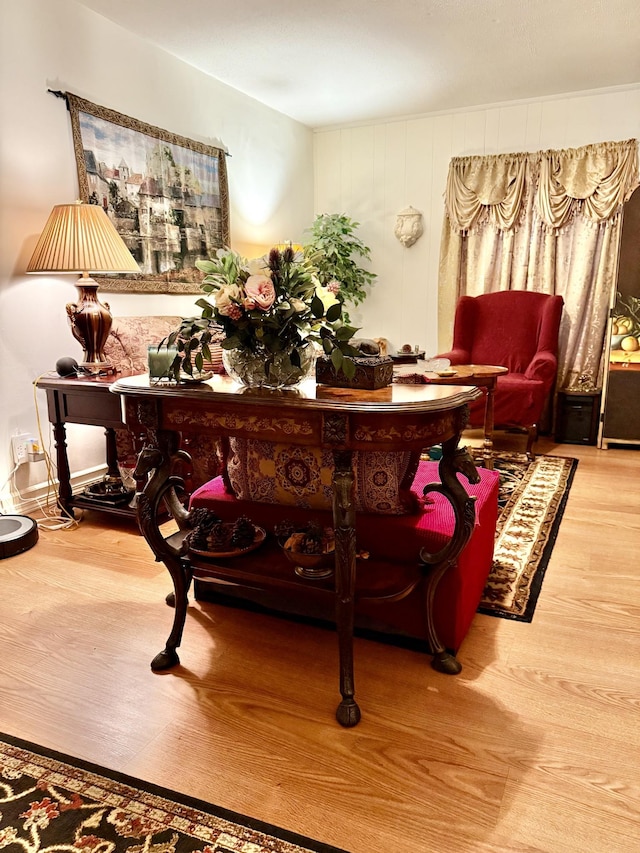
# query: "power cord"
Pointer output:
{"type": "Point", "coordinates": [61, 518]}
{"type": "Point", "coordinates": [9, 476]}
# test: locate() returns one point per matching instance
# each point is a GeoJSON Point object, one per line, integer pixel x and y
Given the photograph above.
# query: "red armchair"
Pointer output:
{"type": "Point", "coordinates": [519, 330]}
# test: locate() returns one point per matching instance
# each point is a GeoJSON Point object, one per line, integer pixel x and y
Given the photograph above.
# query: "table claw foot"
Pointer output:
{"type": "Point", "coordinates": [348, 713]}
{"type": "Point", "coordinates": [170, 599]}
{"type": "Point", "coordinates": [166, 659]}
{"type": "Point", "coordinates": [446, 662]}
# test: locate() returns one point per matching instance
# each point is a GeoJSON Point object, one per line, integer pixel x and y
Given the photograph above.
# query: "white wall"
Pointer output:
{"type": "Point", "coordinates": [373, 171]}
{"type": "Point", "coordinates": [62, 45]}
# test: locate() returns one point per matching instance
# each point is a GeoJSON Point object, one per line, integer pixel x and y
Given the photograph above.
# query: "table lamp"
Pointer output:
{"type": "Point", "coordinates": [80, 238]}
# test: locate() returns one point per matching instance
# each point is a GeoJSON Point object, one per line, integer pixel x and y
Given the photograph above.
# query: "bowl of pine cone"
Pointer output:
{"type": "Point", "coordinates": [211, 537]}
{"type": "Point", "coordinates": [311, 548]}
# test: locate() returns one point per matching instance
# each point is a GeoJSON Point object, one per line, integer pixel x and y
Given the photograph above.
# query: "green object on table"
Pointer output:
{"type": "Point", "coordinates": [160, 360]}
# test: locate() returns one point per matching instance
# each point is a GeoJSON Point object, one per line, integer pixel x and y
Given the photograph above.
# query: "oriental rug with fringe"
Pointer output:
{"type": "Point", "coordinates": [51, 802]}
{"type": "Point", "coordinates": [533, 495]}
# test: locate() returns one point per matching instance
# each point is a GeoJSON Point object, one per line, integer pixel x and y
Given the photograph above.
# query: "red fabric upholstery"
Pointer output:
{"type": "Point", "coordinates": [519, 330]}
{"type": "Point", "coordinates": [395, 540]}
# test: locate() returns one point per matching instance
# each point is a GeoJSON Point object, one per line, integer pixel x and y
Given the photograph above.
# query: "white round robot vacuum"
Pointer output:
{"type": "Point", "coordinates": [18, 533]}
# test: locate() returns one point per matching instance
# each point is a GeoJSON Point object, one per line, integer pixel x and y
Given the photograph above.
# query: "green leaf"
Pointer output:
{"type": "Point", "coordinates": [336, 359]}
{"type": "Point", "coordinates": [206, 266]}
{"type": "Point", "coordinates": [230, 343]}
{"type": "Point", "coordinates": [348, 368]}
{"type": "Point", "coordinates": [334, 312]}
{"type": "Point", "coordinates": [344, 333]}
{"type": "Point", "coordinates": [317, 308]}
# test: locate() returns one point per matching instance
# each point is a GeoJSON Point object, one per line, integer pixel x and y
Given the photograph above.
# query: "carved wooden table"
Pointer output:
{"type": "Point", "coordinates": [399, 417]}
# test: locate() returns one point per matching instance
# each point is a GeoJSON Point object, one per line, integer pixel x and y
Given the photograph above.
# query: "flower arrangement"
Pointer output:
{"type": "Point", "coordinates": [273, 308]}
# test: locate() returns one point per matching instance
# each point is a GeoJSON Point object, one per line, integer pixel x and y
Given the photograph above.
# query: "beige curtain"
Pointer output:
{"type": "Point", "coordinates": [548, 221]}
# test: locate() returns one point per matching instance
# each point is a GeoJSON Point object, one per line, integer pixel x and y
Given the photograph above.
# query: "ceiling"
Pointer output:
{"type": "Point", "coordinates": [327, 62]}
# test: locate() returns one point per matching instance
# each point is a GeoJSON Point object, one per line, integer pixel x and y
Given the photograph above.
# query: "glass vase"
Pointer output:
{"type": "Point", "coordinates": [263, 369]}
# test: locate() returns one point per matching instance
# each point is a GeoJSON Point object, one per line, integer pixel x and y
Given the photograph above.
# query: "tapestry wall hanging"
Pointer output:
{"type": "Point", "coordinates": [166, 195]}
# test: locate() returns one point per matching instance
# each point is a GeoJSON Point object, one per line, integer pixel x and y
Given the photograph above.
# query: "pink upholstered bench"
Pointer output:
{"type": "Point", "coordinates": [393, 543]}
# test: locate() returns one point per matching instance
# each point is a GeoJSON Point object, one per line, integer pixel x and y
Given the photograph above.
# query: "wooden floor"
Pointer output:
{"type": "Point", "coordinates": [535, 746]}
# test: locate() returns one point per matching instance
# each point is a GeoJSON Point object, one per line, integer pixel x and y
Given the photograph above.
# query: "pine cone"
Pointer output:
{"type": "Point", "coordinates": [243, 532]}
{"type": "Point", "coordinates": [218, 537]}
{"type": "Point", "coordinates": [201, 517]}
{"type": "Point", "coordinates": [197, 539]}
{"type": "Point", "coordinates": [311, 545]}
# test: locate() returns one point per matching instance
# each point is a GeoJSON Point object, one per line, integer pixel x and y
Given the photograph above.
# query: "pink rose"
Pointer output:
{"type": "Point", "coordinates": [261, 290]}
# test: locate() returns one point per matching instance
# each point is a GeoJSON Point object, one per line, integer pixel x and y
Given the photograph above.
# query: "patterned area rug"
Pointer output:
{"type": "Point", "coordinates": [532, 500]}
{"type": "Point", "coordinates": [51, 802]}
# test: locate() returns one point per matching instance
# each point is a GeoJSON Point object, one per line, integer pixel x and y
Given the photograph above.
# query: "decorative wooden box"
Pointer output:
{"type": "Point", "coordinates": [371, 373]}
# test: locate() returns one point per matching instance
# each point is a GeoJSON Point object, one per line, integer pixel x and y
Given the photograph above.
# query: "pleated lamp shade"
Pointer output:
{"type": "Point", "coordinates": [80, 238]}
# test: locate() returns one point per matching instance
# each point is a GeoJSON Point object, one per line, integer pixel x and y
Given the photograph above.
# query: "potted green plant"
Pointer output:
{"type": "Point", "coordinates": [335, 250]}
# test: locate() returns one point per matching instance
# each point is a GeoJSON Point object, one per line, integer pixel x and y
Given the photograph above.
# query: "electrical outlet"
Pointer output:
{"type": "Point", "coordinates": [20, 445]}
{"type": "Point", "coordinates": [35, 454]}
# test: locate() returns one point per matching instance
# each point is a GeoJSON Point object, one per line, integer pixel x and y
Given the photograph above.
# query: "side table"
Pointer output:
{"type": "Point", "coordinates": [84, 400]}
{"type": "Point", "coordinates": [480, 375]}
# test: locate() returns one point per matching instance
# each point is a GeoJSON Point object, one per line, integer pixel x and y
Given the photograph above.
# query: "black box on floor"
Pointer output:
{"type": "Point", "coordinates": [577, 417]}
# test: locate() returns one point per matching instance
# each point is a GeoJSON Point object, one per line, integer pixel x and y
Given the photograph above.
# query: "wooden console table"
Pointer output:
{"type": "Point", "coordinates": [399, 417]}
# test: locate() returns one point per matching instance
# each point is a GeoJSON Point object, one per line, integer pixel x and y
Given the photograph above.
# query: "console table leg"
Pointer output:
{"type": "Point", "coordinates": [65, 492]}
{"type": "Point", "coordinates": [168, 657]}
{"type": "Point", "coordinates": [111, 453]}
{"type": "Point", "coordinates": [454, 461]}
{"type": "Point", "coordinates": [161, 484]}
{"type": "Point", "coordinates": [348, 711]}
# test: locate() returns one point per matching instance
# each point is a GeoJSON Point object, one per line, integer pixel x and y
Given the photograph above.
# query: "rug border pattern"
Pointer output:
{"type": "Point", "coordinates": [531, 578]}
{"type": "Point", "coordinates": [175, 811]}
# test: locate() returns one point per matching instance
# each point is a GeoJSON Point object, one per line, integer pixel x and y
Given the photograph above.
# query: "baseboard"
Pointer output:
{"type": "Point", "coordinates": [36, 495]}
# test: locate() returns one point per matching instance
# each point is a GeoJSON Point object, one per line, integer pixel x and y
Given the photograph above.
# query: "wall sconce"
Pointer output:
{"type": "Point", "coordinates": [80, 238]}
{"type": "Point", "coordinates": [409, 226]}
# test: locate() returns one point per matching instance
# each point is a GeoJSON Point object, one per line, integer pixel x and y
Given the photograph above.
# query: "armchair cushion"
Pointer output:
{"type": "Point", "coordinates": [517, 400]}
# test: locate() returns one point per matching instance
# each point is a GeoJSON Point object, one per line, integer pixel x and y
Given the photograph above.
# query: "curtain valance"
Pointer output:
{"type": "Point", "coordinates": [495, 190]}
